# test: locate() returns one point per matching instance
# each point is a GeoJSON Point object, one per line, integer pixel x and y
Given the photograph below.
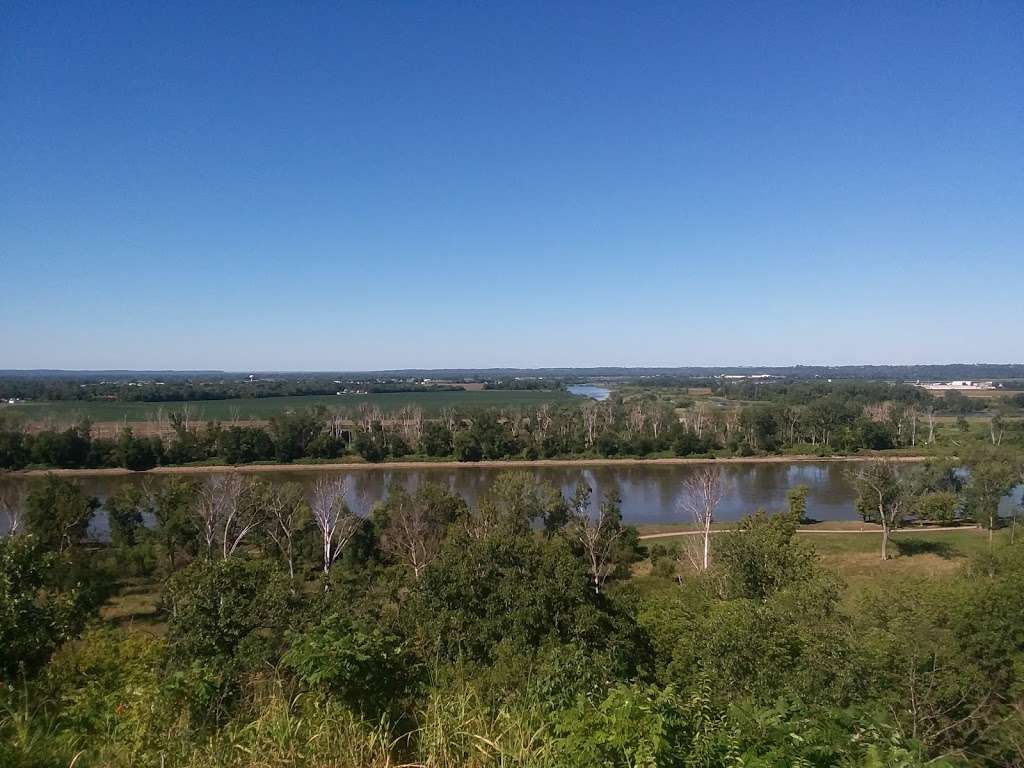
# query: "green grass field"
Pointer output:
{"type": "Point", "coordinates": [855, 557]}
{"type": "Point", "coordinates": [264, 408]}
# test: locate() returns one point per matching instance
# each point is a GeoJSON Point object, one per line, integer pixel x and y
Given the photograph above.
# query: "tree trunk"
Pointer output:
{"type": "Point", "coordinates": [885, 541]}
{"type": "Point", "coordinates": [707, 540]}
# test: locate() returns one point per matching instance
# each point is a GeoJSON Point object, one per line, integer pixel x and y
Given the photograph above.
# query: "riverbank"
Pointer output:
{"type": "Point", "coordinates": [428, 465]}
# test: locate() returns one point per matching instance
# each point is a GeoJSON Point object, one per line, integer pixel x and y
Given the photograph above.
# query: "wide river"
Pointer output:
{"type": "Point", "coordinates": [650, 493]}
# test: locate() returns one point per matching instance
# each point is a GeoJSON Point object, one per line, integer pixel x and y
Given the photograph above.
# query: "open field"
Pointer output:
{"type": "Point", "coordinates": [258, 409]}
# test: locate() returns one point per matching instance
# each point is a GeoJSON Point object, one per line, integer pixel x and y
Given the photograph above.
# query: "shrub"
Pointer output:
{"type": "Point", "coordinates": [366, 669]}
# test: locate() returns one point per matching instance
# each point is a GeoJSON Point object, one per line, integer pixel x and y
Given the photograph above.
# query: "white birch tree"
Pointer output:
{"type": "Point", "coordinates": [702, 490]}
{"type": "Point", "coordinates": [334, 520]}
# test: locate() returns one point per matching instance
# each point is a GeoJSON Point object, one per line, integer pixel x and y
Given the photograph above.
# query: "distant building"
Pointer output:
{"type": "Point", "coordinates": [958, 386]}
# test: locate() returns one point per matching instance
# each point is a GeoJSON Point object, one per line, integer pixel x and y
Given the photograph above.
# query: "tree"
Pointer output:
{"type": "Point", "coordinates": [936, 506]}
{"type": "Point", "coordinates": [702, 490]}
{"type": "Point", "coordinates": [995, 428]}
{"type": "Point", "coordinates": [57, 512]}
{"type": "Point", "coordinates": [992, 476]}
{"type": "Point", "coordinates": [12, 507]}
{"type": "Point", "coordinates": [137, 453]}
{"type": "Point", "coordinates": [171, 503]}
{"type": "Point", "coordinates": [219, 610]}
{"type": "Point", "coordinates": [465, 446]}
{"type": "Point", "coordinates": [436, 440]}
{"type": "Point", "coordinates": [414, 525]}
{"type": "Point", "coordinates": [287, 516]}
{"type": "Point", "coordinates": [124, 513]}
{"type": "Point", "coordinates": [509, 597]}
{"type": "Point", "coordinates": [763, 556]}
{"type": "Point", "coordinates": [34, 617]}
{"type": "Point", "coordinates": [226, 512]}
{"type": "Point", "coordinates": [514, 501]}
{"type": "Point", "coordinates": [881, 497]}
{"type": "Point", "coordinates": [796, 499]}
{"type": "Point", "coordinates": [335, 521]}
{"type": "Point", "coordinates": [363, 666]}
{"type": "Point", "coordinates": [596, 532]}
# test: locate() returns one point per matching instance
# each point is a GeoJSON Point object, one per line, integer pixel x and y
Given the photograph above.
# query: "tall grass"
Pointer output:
{"type": "Point", "coordinates": [274, 728]}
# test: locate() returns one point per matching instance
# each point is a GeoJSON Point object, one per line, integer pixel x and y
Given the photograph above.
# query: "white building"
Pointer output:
{"type": "Point", "coordinates": [958, 385]}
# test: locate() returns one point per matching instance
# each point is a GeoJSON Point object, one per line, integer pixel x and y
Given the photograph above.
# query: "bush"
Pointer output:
{"type": "Point", "coordinates": [366, 669]}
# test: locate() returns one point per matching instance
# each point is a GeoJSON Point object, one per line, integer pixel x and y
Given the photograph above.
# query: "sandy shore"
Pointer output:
{"type": "Point", "coordinates": [429, 465]}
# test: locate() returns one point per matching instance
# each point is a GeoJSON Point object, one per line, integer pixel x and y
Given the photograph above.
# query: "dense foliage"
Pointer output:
{"type": "Point", "coordinates": [449, 634]}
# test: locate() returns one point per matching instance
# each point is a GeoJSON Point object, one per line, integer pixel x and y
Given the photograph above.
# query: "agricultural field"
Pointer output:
{"type": "Point", "coordinates": [258, 409]}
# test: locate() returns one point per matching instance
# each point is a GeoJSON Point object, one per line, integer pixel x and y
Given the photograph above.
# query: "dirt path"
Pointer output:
{"type": "Point", "coordinates": [427, 465]}
{"type": "Point", "coordinates": [821, 532]}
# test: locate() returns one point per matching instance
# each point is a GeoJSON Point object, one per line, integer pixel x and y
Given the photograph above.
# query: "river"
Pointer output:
{"type": "Point", "coordinates": [650, 492]}
{"type": "Point", "coordinates": [593, 391]}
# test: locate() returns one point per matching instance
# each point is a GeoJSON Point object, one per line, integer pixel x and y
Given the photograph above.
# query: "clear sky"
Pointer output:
{"type": "Point", "coordinates": [346, 185]}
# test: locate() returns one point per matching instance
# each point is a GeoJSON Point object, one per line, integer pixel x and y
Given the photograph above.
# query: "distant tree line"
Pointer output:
{"type": "Point", "coordinates": [807, 420]}
{"type": "Point", "coordinates": [154, 391]}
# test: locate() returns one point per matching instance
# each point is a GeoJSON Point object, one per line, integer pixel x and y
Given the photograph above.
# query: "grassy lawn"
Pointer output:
{"type": "Point", "coordinates": [263, 408]}
{"type": "Point", "coordinates": [856, 556]}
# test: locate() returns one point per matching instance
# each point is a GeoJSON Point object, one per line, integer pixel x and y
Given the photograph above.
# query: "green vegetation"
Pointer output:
{"type": "Point", "coordinates": [726, 419]}
{"type": "Point", "coordinates": [257, 626]}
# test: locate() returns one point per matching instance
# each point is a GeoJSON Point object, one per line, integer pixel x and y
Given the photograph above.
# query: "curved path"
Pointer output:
{"type": "Point", "coordinates": [821, 532]}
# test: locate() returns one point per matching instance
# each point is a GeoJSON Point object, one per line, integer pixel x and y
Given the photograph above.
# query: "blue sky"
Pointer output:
{"type": "Point", "coordinates": [382, 185]}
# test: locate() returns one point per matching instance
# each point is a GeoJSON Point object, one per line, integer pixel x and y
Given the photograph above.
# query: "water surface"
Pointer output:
{"type": "Point", "coordinates": [592, 391]}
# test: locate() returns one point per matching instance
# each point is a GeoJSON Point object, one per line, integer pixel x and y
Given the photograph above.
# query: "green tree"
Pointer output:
{"type": "Point", "coordinates": [511, 595]}
{"type": "Point", "coordinates": [762, 557]}
{"type": "Point", "coordinates": [992, 476]}
{"type": "Point", "coordinates": [881, 497]}
{"type": "Point", "coordinates": [796, 499]}
{"type": "Point", "coordinates": [514, 501]}
{"type": "Point", "coordinates": [124, 513]}
{"type": "Point", "coordinates": [137, 453]}
{"type": "Point", "coordinates": [171, 503]}
{"type": "Point", "coordinates": [34, 616]}
{"type": "Point", "coordinates": [288, 522]}
{"type": "Point", "coordinates": [365, 667]}
{"type": "Point", "coordinates": [219, 609]}
{"type": "Point", "coordinates": [936, 506]}
{"type": "Point", "coordinates": [57, 512]}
